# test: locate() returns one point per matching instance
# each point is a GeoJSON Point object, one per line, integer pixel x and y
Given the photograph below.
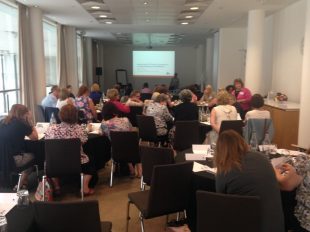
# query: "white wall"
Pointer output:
{"type": "Point", "coordinates": [289, 30]}
{"type": "Point", "coordinates": [232, 44]}
{"type": "Point", "coordinates": [120, 57]}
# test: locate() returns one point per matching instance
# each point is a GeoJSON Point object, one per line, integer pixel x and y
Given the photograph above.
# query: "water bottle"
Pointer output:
{"type": "Point", "coordinates": [265, 143]}
{"type": "Point", "coordinates": [200, 114]}
{"type": "Point", "coordinates": [3, 224]}
{"type": "Point", "coordinates": [253, 142]}
{"type": "Point", "coordinates": [53, 119]}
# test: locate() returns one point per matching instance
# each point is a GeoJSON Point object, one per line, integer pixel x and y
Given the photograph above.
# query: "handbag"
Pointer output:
{"type": "Point", "coordinates": [48, 191]}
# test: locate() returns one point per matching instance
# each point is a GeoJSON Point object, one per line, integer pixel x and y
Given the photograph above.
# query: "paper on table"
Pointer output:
{"type": "Point", "coordinates": [197, 167]}
{"type": "Point", "coordinates": [277, 162]}
{"type": "Point", "coordinates": [42, 127]}
{"type": "Point", "coordinates": [95, 128]}
{"type": "Point", "coordinates": [7, 202]}
{"type": "Point", "coordinates": [201, 148]}
{"type": "Point", "coordinates": [206, 123]}
{"type": "Point", "coordinates": [40, 136]}
{"type": "Point", "coordinates": [267, 147]}
{"type": "Point", "coordinates": [289, 152]}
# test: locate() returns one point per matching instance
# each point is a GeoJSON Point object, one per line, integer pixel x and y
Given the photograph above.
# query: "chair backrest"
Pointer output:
{"type": "Point", "coordinates": [125, 146]}
{"type": "Point", "coordinates": [48, 111]}
{"type": "Point", "coordinates": [63, 157]}
{"type": "Point", "coordinates": [151, 156]}
{"type": "Point", "coordinates": [260, 126]}
{"type": "Point", "coordinates": [170, 189]}
{"type": "Point", "coordinates": [40, 113]}
{"type": "Point", "coordinates": [222, 212]}
{"type": "Point", "coordinates": [147, 128]}
{"type": "Point", "coordinates": [77, 216]}
{"type": "Point", "coordinates": [186, 134]}
{"type": "Point", "coordinates": [236, 125]}
{"type": "Point", "coordinates": [132, 115]}
{"type": "Point", "coordinates": [145, 96]}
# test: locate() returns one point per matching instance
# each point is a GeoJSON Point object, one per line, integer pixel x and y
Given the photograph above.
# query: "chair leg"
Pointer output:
{"type": "Point", "coordinates": [127, 216]}
{"type": "Point", "coordinates": [82, 186]}
{"type": "Point", "coordinates": [141, 183]}
{"type": "Point", "coordinates": [185, 214]}
{"type": "Point", "coordinates": [111, 177]}
{"type": "Point", "coordinates": [141, 222]}
{"type": "Point", "coordinates": [43, 186]}
{"type": "Point", "coordinates": [20, 176]}
{"type": "Point", "coordinates": [178, 216]}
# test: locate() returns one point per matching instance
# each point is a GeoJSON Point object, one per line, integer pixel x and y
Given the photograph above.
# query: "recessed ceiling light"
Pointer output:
{"type": "Point", "coordinates": [146, 12]}
{"type": "Point", "coordinates": [194, 8]}
{"type": "Point", "coordinates": [189, 16]}
{"type": "Point", "coordinates": [148, 20]}
{"type": "Point", "coordinates": [103, 16]}
{"type": "Point", "coordinates": [95, 7]}
{"type": "Point", "coordinates": [145, 3]}
{"type": "Point", "coordinates": [109, 22]}
{"type": "Point", "coordinates": [184, 23]}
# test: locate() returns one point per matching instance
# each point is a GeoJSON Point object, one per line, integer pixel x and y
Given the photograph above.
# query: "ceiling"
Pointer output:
{"type": "Point", "coordinates": [156, 23]}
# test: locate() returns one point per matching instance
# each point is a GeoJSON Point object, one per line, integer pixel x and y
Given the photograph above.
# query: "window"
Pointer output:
{"type": "Point", "coordinates": [79, 45]}
{"type": "Point", "coordinates": [9, 75]}
{"type": "Point", "coordinates": [50, 51]}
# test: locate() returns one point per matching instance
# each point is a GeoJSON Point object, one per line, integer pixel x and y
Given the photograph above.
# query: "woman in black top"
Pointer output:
{"type": "Point", "coordinates": [186, 111]}
{"type": "Point", "coordinates": [13, 129]}
{"type": "Point", "coordinates": [242, 172]}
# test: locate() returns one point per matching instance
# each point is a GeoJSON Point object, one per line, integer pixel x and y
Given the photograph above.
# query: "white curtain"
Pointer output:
{"type": "Point", "coordinates": [87, 61]}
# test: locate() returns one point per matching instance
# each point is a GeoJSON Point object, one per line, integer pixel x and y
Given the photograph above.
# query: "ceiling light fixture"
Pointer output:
{"type": "Point", "coordinates": [194, 8]}
{"type": "Point", "coordinates": [108, 22]}
{"type": "Point", "coordinates": [184, 23]}
{"type": "Point", "coordinates": [189, 16]}
{"type": "Point", "coordinates": [95, 7]}
{"type": "Point", "coordinates": [103, 16]}
{"type": "Point", "coordinates": [146, 13]}
{"type": "Point", "coordinates": [145, 3]}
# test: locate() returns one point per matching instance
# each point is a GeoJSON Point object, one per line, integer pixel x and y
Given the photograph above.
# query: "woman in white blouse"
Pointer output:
{"type": "Point", "coordinates": [64, 98]}
{"type": "Point", "coordinates": [257, 112]}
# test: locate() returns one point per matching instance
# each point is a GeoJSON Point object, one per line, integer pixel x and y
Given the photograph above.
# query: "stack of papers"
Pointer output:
{"type": "Point", "coordinates": [7, 202]}
{"type": "Point", "coordinates": [201, 148]}
{"type": "Point", "coordinates": [277, 162]}
{"type": "Point", "coordinates": [206, 123]}
{"type": "Point", "coordinates": [197, 167]}
{"type": "Point", "coordinates": [269, 147]}
{"type": "Point", "coordinates": [289, 152]}
{"type": "Point", "coordinates": [200, 152]}
{"type": "Point", "coordinates": [42, 127]}
{"type": "Point", "coordinates": [95, 128]}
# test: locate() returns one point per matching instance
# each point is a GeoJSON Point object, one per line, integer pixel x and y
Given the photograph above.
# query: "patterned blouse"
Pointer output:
{"type": "Point", "coordinates": [115, 124]}
{"type": "Point", "coordinates": [68, 131]}
{"type": "Point", "coordinates": [82, 104]}
{"type": "Point", "coordinates": [161, 116]}
{"type": "Point", "coordinates": [302, 209]}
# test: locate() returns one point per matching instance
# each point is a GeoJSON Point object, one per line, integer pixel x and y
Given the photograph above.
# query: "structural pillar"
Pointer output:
{"type": "Point", "coordinates": [304, 125]}
{"type": "Point", "coordinates": [255, 45]}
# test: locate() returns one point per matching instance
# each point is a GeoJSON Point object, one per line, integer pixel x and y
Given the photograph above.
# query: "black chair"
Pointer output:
{"type": "Point", "coordinates": [186, 134]}
{"type": "Point", "coordinates": [78, 216]}
{"type": "Point", "coordinates": [236, 125]}
{"type": "Point", "coordinates": [48, 111]}
{"type": "Point", "coordinates": [132, 116]}
{"type": "Point", "coordinates": [145, 96]}
{"type": "Point", "coordinates": [222, 212]}
{"type": "Point", "coordinates": [147, 130]}
{"type": "Point", "coordinates": [151, 156]}
{"type": "Point", "coordinates": [125, 148]}
{"type": "Point", "coordinates": [63, 158]}
{"type": "Point", "coordinates": [40, 113]}
{"type": "Point", "coordinates": [169, 192]}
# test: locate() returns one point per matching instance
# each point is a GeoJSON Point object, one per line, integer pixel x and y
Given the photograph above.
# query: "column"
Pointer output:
{"type": "Point", "coordinates": [304, 125]}
{"type": "Point", "coordinates": [209, 60]}
{"type": "Point", "coordinates": [200, 62]}
{"type": "Point", "coordinates": [37, 45]}
{"type": "Point", "coordinates": [254, 59]}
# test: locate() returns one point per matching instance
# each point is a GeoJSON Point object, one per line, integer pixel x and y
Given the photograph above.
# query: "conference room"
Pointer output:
{"type": "Point", "coordinates": [154, 115]}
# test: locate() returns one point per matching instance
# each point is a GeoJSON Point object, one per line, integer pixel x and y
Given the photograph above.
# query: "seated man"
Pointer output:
{"type": "Point", "coordinates": [51, 99]}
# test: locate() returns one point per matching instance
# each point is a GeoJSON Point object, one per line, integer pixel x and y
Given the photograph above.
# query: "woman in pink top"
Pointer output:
{"type": "Point", "coordinates": [242, 94]}
{"type": "Point", "coordinates": [113, 95]}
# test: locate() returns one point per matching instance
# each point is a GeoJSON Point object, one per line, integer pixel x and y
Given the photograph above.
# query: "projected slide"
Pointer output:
{"type": "Point", "coordinates": [153, 63]}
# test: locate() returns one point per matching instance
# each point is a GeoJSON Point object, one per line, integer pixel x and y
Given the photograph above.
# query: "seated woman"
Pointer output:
{"type": "Point", "coordinates": [84, 104]}
{"type": "Point", "coordinates": [95, 93]}
{"type": "Point", "coordinates": [69, 129]}
{"type": "Point", "coordinates": [64, 98]}
{"type": "Point", "coordinates": [134, 99]}
{"type": "Point", "coordinates": [111, 122]}
{"type": "Point", "coordinates": [208, 96]}
{"type": "Point", "coordinates": [296, 175]}
{"type": "Point", "coordinates": [223, 111]}
{"type": "Point", "coordinates": [145, 88]}
{"type": "Point", "coordinates": [242, 94]}
{"type": "Point", "coordinates": [13, 129]}
{"type": "Point", "coordinates": [246, 173]}
{"type": "Point", "coordinates": [158, 109]}
{"type": "Point", "coordinates": [186, 110]}
{"type": "Point", "coordinates": [114, 97]}
{"type": "Point", "coordinates": [257, 112]}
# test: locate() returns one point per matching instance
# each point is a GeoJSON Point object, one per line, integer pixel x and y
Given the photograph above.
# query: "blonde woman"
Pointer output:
{"type": "Point", "coordinates": [114, 97]}
{"type": "Point", "coordinates": [64, 98]}
{"type": "Point", "coordinates": [208, 96]}
{"type": "Point", "coordinates": [222, 112]}
{"type": "Point", "coordinates": [95, 93]}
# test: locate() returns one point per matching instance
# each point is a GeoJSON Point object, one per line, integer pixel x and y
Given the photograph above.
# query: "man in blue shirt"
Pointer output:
{"type": "Point", "coordinates": [51, 99]}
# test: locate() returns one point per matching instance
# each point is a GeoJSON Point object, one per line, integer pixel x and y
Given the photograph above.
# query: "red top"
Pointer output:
{"type": "Point", "coordinates": [244, 94]}
{"type": "Point", "coordinates": [121, 107]}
